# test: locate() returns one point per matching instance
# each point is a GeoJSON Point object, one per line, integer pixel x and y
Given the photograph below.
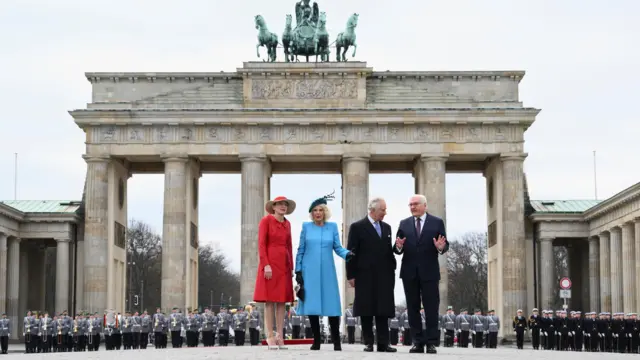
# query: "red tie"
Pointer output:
{"type": "Point", "coordinates": [418, 227]}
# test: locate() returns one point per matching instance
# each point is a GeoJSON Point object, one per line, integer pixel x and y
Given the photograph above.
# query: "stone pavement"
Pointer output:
{"type": "Point", "coordinates": [296, 352]}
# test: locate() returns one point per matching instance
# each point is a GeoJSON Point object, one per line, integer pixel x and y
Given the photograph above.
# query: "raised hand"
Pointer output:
{"type": "Point", "coordinates": [440, 242]}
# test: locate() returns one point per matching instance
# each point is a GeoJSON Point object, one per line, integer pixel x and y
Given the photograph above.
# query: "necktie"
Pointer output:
{"type": "Point", "coordinates": [377, 226]}
{"type": "Point", "coordinates": [418, 226]}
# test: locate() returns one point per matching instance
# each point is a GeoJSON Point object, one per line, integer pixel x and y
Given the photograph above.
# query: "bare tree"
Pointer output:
{"type": "Point", "coordinates": [467, 267]}
{"type": "Point", "coordinates": [144, 261]}
{"type": "Point", "coordinates": [218, 285]}
{"type": "Point", "coordinates": [561, 263]}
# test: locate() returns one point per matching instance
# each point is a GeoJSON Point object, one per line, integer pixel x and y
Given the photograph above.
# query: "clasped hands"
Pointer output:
{"type": "Point", "coordinates": [439, 242]}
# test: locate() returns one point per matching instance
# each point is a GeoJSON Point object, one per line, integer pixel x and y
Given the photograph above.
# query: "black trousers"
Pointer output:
{"type": "Point", "coordinates": [477, 339]}
{"type": "Point", "coordinates": [223, 337]}
{"type": "Point", "coordinates": [207, 338]}
{"type": "Point", "coordinates": [308, 333]}
{"type": "Point", "coordinates": [519, 338]}
{"type": "Point", "coordinates": [406, 336]}
{"type": "Point", "coordinates": [176, 339]}
{"type": "Point", "coordinates": [535, 338]}
{"type": "Point", "coordinates": [158, 339]}
{"type": "Point", "coordinates": [127, 340]}
{"type": "Point", "coordinates": [254, 336]}
{"type": "Point", "coordinates": [295, 331]}
{"type": "Point", "coordinates": [425, 292]}
{"type": "Point", "coordinates": [136, 339]}
{"type": "Point", "coordinates": [144, 340]}
{"type": "Point", "coordinates": [93, 342]}
{"type": "Point", "coordinates": [351, 334]}
{"type": "Point", "coordinates": [463, 339]}
{"type": "Point", "coordinates": [192, 339]}
{"type": "Point", "coordinates": [239, 337]}
{"type": "Point", "coordinates": [393, 336]}
{"type": "Point", "coordinates": [4, 344]}
{"type": "Point", "coordinates": [334, 324]}
{"type": "Point", "coordinates": [382, 330]}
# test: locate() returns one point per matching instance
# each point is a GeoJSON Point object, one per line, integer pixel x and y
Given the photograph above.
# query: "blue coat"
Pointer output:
{"type": "Point", "coordinates": [315, 261]}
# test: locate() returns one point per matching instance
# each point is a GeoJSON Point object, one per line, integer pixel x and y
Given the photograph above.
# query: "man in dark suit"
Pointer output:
{"type": "Point", "coordinates": [420, 239]}
{"type": "Point", "coordinates": [372, 273]}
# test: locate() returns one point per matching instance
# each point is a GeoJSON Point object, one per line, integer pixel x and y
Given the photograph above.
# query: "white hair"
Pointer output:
{"type": "Point", "coordinates": [325, 209]}
{"type": "Point", "coordinates": [422, 198]}
{"type": "Point", "coordinates": [374, 203]}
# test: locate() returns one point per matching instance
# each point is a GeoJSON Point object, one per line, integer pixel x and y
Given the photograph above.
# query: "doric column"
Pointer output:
{"type": "Point", "coordinates": [594, 274]}
{"type": "Point", "coordinates": [355, 198]}
{"type": "Point", "coordinates": [628, 269]}
{"type": "Point", "coordinates": [96, 234]}
{"type": "Point", "coordinates": [62, 275]}
{"type": "Point", "coordinates": [13, 285]}
{"type": "Point", "coordinates": [605, 272]}
{"type": "Point", "coordinates": [79, 305]}
{"type": "Point", "coordinates": [174, 233]}
{"type": "Point", "coordinates": [637, 256]}
{"type": "Point", "coordinates": [432, 182]}
{"type": "Point", "coordinates": [616, 269]}
{"type": "Point", "coordinates": [547, 276]}
{"type": "Point", "coordinates": [3, 273]}
{"type": "Point", "coordinates": [254, 171]}
{"type": "Point", "coordinates": [514, 286]}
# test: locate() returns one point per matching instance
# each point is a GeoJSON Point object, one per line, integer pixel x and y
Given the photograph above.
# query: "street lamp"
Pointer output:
{"type": "Point", "coordinates": [131, 264]}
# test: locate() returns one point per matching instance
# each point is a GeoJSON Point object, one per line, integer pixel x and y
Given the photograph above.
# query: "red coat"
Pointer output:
{"type": "Point", "coordinates": [275, 249]}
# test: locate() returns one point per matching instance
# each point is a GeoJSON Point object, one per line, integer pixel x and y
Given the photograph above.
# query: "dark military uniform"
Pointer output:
{"type": "Point", "coordinates": [534, 325]}
{"type": "Point", "coordinates": [519, 326]}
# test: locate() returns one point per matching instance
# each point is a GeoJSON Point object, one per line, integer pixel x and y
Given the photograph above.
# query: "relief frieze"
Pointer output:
{"type": "Point", "coordinates": [314, 133]}
{"type": "Point", "coordinates": [304, 89]}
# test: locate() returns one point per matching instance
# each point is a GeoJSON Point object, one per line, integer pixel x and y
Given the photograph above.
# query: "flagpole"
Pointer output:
{"type": "Point", "coordinates": [15, 178]}
{"type": "Point", "coordinates": [595, 178]}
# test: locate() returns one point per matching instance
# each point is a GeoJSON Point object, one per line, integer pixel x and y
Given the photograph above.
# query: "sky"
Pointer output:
{"type": "Point", "coordinates": [580, 58]}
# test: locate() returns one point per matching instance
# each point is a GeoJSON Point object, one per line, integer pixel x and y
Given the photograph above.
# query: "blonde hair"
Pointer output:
{"type": "Point", "coordinates": [325, 209]}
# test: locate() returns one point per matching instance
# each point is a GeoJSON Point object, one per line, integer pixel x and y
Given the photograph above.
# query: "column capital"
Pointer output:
{"type": "Point", "coordinates": [62, 240]}
{"type": "Point", "coordinates": [253, 157]}
{"type": "Point", "coordinates": [96, 158]}
{"type": "Point", "coordinates": [434, 157]}
{"type": "Point", "coordinates": [545, 239]}
{"type": "Point", "coordinates": [615, 228]}
{"type": "Point", "coordinates": [356, 156]}
{"type": "Point", "coordinates": [174, 158]}
{"type": "Point", "coordinates": [593, 238]}
{"type": "Point", "coordinates": [516, 156]}
{"type": "Point", "coordinates": [605, 234]}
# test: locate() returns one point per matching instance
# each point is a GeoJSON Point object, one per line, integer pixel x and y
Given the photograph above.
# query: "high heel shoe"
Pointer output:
{"type": "Point", "coordinates": [280, 342]}
{"type": "Point", "coordinates": [271, 343]}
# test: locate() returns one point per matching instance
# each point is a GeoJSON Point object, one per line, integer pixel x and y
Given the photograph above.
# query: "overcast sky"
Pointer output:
{"type": "Point", "coordinates": [581, 59]}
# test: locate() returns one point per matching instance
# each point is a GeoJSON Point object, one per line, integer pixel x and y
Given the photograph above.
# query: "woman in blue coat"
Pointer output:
{"type": "Point", "coordinates": [316, 271]}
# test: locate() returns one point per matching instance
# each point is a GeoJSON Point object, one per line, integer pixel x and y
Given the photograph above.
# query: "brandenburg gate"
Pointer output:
{"type": "Point", "coordinates": [270, 117]}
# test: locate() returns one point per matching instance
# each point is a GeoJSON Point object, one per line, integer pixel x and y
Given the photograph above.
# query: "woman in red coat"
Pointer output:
{"type": "Point", "coordinates": [274, 284]}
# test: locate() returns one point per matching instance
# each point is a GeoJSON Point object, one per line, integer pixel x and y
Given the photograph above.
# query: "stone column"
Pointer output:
{"type": "Point", "coordinates": [605, 272]}
{"type": "Point", "coordinates": [514, 276]}
{"type": "Point", "coordinates": [174, 233]}
{"type": "Point", "coordinates": [62, 275]}
{"type": "Point", "coordinates": [547, 270]}
{"type": "Point", "coordinates": [637, 256]}
{"type": "Point", "coordinates": [79, 304]}
{"type": "Point", "coordinates": [355, 198]}
{"type": "Point", "coordinates": [254, 175]}
{"type": "Point", "coordinates": [96, 234]}
{"type": "Point", "coordinates": [13, 285]}
{"type": "Point", "coordinates": [616, 269]}
{"type": "Point", "coordinates": [3, 273]}
{"type": "Point", "coordinates": [628, 269]}
{"type": "Point", "coordinates": [432, 181]}
{"type": "Point", "coordinates": [594, 274]}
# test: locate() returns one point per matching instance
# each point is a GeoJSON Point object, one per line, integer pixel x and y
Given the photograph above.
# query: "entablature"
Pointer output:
{"type": "Point", "coordinates": [556, 228]}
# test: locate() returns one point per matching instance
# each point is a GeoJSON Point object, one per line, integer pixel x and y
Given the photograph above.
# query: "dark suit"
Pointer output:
{"type": "Point", "coordinates": [373, 269]}
{"type": "Point", "coordinates": [420, 274]}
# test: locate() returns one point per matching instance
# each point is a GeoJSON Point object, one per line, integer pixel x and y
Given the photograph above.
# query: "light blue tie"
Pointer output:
{"type": "Point", "coordinates": [377, 226]}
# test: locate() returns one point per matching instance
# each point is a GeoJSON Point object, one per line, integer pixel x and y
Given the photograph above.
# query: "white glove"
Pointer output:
{"type": "Point", "coordinates": [258, 328]}
{"type": "Point", "coordinates": [39, 334]}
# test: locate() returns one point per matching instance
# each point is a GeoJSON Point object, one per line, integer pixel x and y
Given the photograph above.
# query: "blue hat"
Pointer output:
{"type": "Point", "coordinates": [322, 201]}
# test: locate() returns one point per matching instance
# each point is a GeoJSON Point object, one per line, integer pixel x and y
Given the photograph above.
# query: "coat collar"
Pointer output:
{"type": "Point", "coordinates": [369, 226]}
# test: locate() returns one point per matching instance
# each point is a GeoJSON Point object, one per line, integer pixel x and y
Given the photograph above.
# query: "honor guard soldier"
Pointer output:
{"type": "Point", "coordinates": [26, 332]}
{"type": "Point", "coordinates": [350, 322]}
{"type": "Point", "coordinates": [254, 325]}
{"type": "Point", "coordinates": [176, 323]}
{"type": "Point", "coordinates": [68, 336]}
{"type": "Point", "coordinates": [617, 331]}
{"type": "Point", "coordinates": [535, 326]}
{"type": "Point", "coordinates": [58, 340]}
{"type": "Point", "coordinates": [46, 330]}
{"type": "Point", "coordinates": [463, 328]}
{"type": "Point", "coordinates": [207, 328]}
{"type": "Point", "coordinates": [590, 332]}
{"type": "Point", "coordinates": [5, 332]}
{"type": "Point", "coordinates": [127, 337]}
{"type": "Point", "coordinates": [145, 329]}
{"type": "Point", "coordinates": [224, 322]}
{"type": "Point", "coordinates": [519, 326]}
{"type": "Point", "coordinates": [603, 326]}
{"type": "Point", "coordinates": [240, 326]}
{"type": "Point", "coordinates": [449, 325]}
{"type": "Point", "coordinates": [477, 328]}
{"type": "Point", "coordinates": [406, 328]}
{"type": "Point", "coordinates": [159, 340]}
{"type": "Point", "coordinates": [296, 322]}
{"type": "Point", "coordinates": [93, 332]}
{"type": "Point", "coordinates": [491, 328]}
{"type": "Point", "coordinates": [394, 329]}
{"type": "Point", "coordinates": [308, 334]}
{"type": "Point", "coordinates": [136, 330]}
{"type": "Point", "coordinates": [634, 335]}
{"type": "Point", "coordinates": [550, 331]}
{"type": "Point", "coordinates": [577, 330]}
{"type": "Point", "coordinates": [192, 328]}
{"type": "Point", "coordinates": [562, 328]}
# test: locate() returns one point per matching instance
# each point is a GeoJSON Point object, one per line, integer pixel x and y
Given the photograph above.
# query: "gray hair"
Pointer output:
{"type": "Point", "coordinates": [422, 198]}
{"type": "Point", "coordinates": [374, 203]}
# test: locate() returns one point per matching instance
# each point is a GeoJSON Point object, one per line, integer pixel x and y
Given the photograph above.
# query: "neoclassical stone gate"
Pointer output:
{"type": "Point", "coordinates": [268, 118]}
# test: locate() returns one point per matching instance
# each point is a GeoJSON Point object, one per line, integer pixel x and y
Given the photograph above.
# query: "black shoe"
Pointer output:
{"type": "Point", "coordinates": [368, 348]}
{"type": "Point", "coordinates": [417, 349]}
{"type": "Point", "coordinates": [431, 349]}
{"type": "Point", "coordinates": [386, 348]}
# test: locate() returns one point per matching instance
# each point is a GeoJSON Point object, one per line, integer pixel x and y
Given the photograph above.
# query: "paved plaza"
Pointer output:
{"type": "Point", "coordinates": [296, 352]}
